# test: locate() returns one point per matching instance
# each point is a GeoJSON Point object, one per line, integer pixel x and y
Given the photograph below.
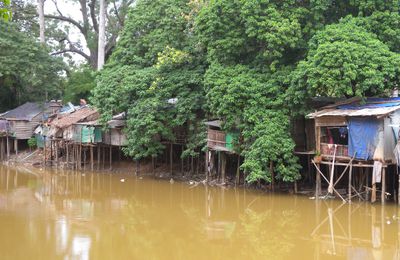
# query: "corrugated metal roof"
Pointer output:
{"type": "Point", "coordinates": [28, 111]}
{"type": "Point", "coordinates": [371, 107]}
{"type": "Point", "coordinates": [24, 112]}
{"type": "Point", "coordinates": [214, 123]}
{"type": "Point", "coordinates": [75, 117]}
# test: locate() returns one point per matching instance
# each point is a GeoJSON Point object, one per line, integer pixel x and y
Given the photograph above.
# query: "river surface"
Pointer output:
{"type": "Point", "coordinates": [70, 215]}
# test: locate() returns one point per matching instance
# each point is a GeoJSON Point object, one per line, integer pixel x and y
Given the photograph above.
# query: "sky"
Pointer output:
{"type": "Point", "coordinates": [69, 9]}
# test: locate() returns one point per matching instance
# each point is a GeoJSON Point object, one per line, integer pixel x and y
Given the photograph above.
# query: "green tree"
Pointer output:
{"type": "Point", "coordinates": [5, 12]}
{"type": "Point", "coordinates": [79, 84]}
{"type": "Point", "coordinates": [27, 71]}
{"type": "Point", "coordinates": [156, 76]}
{"type": "Point", "coordinates": [346, 60]}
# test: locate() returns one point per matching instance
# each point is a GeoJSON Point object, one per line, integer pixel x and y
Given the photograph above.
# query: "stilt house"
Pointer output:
{"type": "Point", "coordinates": [24, 119]}
{"type": "Point", "coordinates": [63, 127]}
{"type": "Point", "coordinates": [358, 133]}
{"type": "Point", "coordinates": [114, 135]}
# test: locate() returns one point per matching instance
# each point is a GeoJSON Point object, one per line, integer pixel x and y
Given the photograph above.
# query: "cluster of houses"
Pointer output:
{"type": "Point", "coordinates": [66, 132]}
{"type": "Point", "coordinates": [349, 143]}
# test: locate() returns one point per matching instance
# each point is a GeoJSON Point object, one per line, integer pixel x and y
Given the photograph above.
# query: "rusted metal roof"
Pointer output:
{"type": "Point", "coordinates": [80, 115]}
{"type": "Point", "coordinates": [371, 107]}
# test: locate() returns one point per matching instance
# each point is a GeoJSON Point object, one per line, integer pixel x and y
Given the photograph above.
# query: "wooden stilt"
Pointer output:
{"type": "Point", "coordinates": [223, 167]}
{"type": "Point", "coordinates": [170, 158]}
{"type": "Point", "coordinates": [67, 153]}
{"type": "Point", "coordinates": [56, 152]}
{"type": "Point", "coordinates": [110, 157]}
{"type": "Point", "coordinates": [383, 182]}
{"type": "Point", "coordinates": [45, 152]}
{"type": "Point", "coordinates": [206, 165]}
{"type": "Point", "coordinates": [16, 146]}
{"type": "Point", "coordinates": [8, 148]}
{"type": "Point", "coordinates": [98, 157]}
{"type": "Point", "coordinates": [104, 156]}
{"type": "Point", "coordinates": [237, 179]}
{"type": "Point", "coordinates": [349, 186]}
{"type": "Point", "coordinates": [317, 182]}
{"type": "Point", "coordinates": [182, 169]}
{"type": "Point", "coordinates": [373, 194]}
{"type": "Point", "coordinates": [91, 157]}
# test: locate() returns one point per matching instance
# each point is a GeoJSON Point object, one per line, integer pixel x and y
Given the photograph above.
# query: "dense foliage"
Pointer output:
{"type": "Point", "coordinates": [27, 71]}
{"type": "Point", "coordinates": [79, 84]}
{"type": "Point", "coordinates": [251, 63]}
{"type": "Point", "coordinates": [5, 12]}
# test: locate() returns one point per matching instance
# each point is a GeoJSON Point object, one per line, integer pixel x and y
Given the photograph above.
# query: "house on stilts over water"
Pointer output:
{"type": "Point", "coordinates": [24, 119]}
{"type": "Point", "coordinates": [358, 139]}
{"type": "Point", "coordinates": [220, 148]}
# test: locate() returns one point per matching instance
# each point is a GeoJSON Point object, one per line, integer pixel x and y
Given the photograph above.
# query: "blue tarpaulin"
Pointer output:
{"type": "Point", "coordinates": [363, 137]}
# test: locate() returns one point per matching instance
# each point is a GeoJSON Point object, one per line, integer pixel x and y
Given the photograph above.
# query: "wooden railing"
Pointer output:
{"type": "Point", "coordinates": [328, 149]}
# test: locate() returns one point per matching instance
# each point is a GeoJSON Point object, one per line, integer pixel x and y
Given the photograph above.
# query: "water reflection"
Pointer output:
{"type": "Point", "coordinates": [70, 215]}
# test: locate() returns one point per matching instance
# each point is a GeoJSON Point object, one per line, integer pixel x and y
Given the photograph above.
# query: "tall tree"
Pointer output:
{"type": "Point", "coordinates": [88, 27]}
{"type": "Point", "coordinates": [40, 9]}
{"type": "Point", "coordinates": [26, 68]}
{"type": "Point", "coordinates": [102, 31]}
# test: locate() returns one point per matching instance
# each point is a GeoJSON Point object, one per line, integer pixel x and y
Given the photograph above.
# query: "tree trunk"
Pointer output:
{"type": "Point", "coordinates": [40, 10]}
{"type": "Point", "coordinates": [102, 30]}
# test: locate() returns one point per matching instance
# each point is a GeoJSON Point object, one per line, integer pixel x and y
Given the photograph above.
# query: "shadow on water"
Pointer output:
{"type": "Point", "coordinates": [75, 215]}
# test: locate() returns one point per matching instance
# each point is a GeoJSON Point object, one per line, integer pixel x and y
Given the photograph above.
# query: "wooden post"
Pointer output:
{"type": "Point", "coordinates": [45, 150]}
{"type": "Point", "coordinates": [16, 146]}
{"type": "Point", "coordinates": [170, 158]}
{"type": "Point", "coordinates": [56, 152]}
{"type": "Point", "coordinates": [104, 156]}
{"type": "Point", "coordinates": [317, 182]}
{"type": "Point", "coordinates": [349, 188]}
{"type": "Point", "coordinates": [206, 165]}
{"type": "Point", "coordinates": [8, 148]}
{"type": "Point", "coordinates": [237, 179]}
{"type": "Point", "coordinates": [67, 153]}
{"type": "Point", "coordinates": [98, 156]}
{"type": "Point", "coordinates": [110, 157]}
{"type": "Point", "coordinates": [223, 167]}
{"type": "Point", "coordinates": [91, 157]}
{"type": "Point", "coordinates": [383, 182]}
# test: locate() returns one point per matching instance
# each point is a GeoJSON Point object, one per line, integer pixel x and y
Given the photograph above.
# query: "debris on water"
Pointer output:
{"type": "Point", "coordinates": [122, 180]}
{"type": "Point", "coordinates": [311, 198]}
{"type": "Point", "coordinates": [171, 181]}
{"type": "Point", "coordinates": [83, 174]}
{"type": "Point", "coordinates": [191, 182]}
{"type": "Point", "coordinates": [140, 178]}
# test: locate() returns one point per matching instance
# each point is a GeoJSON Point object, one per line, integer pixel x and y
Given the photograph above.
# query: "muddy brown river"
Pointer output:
{"type": "Point", "coordinates": [70, 215]}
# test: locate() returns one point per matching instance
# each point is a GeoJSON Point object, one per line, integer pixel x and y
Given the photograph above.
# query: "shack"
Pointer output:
{"type": "Point", "coordinates": [357, 133]}
{"type": "Point", "coordinates": [114, 135]}
{"type": "Point", "coordinates": [62, 126]}
{"type": "Point", "coordinates": [220, 144]}
{"type": "Point", "coordinates": [24, 119]}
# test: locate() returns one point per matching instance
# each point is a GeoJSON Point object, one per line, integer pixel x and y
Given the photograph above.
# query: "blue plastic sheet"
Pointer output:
{"type": "Point", "coordinates": [363, 137]}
